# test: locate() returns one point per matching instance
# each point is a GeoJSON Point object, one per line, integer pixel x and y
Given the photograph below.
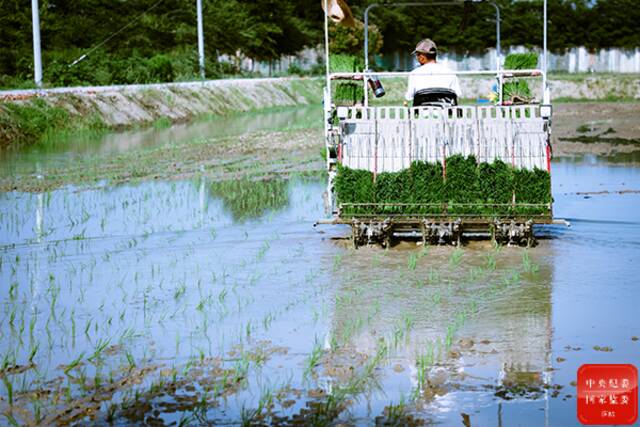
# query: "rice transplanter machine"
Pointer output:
{"type": "Point", "coordinates": [389, 138]}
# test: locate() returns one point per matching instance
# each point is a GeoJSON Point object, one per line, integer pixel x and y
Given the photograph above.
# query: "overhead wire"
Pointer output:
{"type": "Point", "coordinates": [130, 23]}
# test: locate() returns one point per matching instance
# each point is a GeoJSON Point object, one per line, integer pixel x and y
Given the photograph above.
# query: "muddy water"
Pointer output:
{"type": "Point", "coordinates": [199, 302]}
{"type": "Point", "coordinates": [67, 148]}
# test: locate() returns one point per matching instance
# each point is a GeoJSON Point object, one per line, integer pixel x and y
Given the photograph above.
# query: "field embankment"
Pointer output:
{"type": "Point", "coordinates": [30, 116]}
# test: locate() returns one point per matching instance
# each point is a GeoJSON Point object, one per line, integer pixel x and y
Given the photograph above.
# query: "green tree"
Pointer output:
{"type": "Point", "coordinates": [275, 30]}
{"type": "Point", "coordinates": [162, 44]}
{"type": "Point", "coordinates": [614, 23]}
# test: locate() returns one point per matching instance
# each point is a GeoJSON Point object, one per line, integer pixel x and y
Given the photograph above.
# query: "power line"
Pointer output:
{"type": "Point", "coordinates": [81, 58]}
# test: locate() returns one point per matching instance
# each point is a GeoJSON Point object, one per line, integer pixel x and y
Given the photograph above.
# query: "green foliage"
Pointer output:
{"type": "Point", "coordinates": [39, 121]}
{"type": "Point", "coordinates": [517, 90]}
{"type": "Point", "coordinates": [387, 188]}
{"type": "Point", "coordinates": [470, 26]}
{"type": "Point", "coordinates": [350, 40]}
{"type": "Point", "coordinates": [296, 70]}
{"type": "Point", "coordinates": [354, 186]}
{"type": "Point", "coordinates": [345, 63]}
{"type": "Point", "coordinates": [609, 23]}
{"type": "Point", "coordinates": [160, 68]}
{"type": "Point", "coordinates": [480, 186]}
{"type": "Point", "coordinates": [462, 183]}
{"type": "Point", "coordinates": [521, 61]}
{"type": "Point", "coordinates": [426, 185]}
{"type": "Point", "coordinates": [266, 29]}
{"type": "Point", "coordinates": [349, 92]}
{"type": "Point", "coordinates": [159, 47]}
{"type": "Point", "coordinates": [102, 69]}
{"type": "Point", "coordinates": [531, 187]}
{"type": "Point", "coordinates": [31, 120]}
{"type": "Point", "coordinates": [496, 176]}
{"type": "Point", "coordinates": [162, 123]}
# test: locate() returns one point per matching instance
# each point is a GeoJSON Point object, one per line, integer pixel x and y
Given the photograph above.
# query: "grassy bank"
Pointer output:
{"type": "Point", "coordinates": [40, 122]}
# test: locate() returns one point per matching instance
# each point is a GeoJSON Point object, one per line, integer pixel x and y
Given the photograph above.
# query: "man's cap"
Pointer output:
{"type": "Point", "coordinates": [425, 46]}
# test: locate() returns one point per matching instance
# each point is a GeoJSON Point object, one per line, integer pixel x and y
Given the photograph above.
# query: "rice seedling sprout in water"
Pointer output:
{"type": "Point", "coordinates": [314, 357]}
{"type": "Point", "coordinates": [456, 257]}
{"type": "Point", "coordinates": [412, 261]}
{"type": "Point", "coordinates": [527, 265]}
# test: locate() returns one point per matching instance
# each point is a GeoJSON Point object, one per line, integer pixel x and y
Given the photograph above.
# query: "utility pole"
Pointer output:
{"type": "Point", "coordinates": [37, 56]}
{"type": "Point", "coordinates": [200, 39]}
{"type": "Point", "coordinates": [546, 98]}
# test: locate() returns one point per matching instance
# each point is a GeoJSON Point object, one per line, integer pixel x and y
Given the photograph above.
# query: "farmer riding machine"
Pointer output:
{"type": "Point", "coordinates": [437, 171]}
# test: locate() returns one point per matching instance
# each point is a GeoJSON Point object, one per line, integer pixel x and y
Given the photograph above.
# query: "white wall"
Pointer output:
{"type": "Point", "coordinates": [576, 60]}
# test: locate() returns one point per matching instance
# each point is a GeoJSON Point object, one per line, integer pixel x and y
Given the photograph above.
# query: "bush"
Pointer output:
{"type": "Point", "coordinates": [99, 68]}
{"type": "Point", "coordinates": [350, 40]}
{"type": "Point", "coordinates": [35, 118]}
{"type": "Point", "coordinates": [17, 82]}
{"type": "Point", "coordinates": [38, 122]}
{"type": "Point", "coordinates": [295, 70]}
{"type": "Point", "coordinates": [160, 68]}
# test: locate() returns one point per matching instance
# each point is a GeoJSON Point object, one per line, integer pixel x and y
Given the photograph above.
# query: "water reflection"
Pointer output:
{"type": "Point", "coordinates": [621, 159]}
{"type": "Point", "coordinates": [247, 199]}
{"type": "Point", "coordinates": [172, 272]}
{"type": "Point", "coordinates": [164, 275]}
{"type": "Point", "coordinates": [133, 210]}
{"type": "Point", "coordinates": [480, 318]}
{"type": "Point", "coordinates": [79, 146]}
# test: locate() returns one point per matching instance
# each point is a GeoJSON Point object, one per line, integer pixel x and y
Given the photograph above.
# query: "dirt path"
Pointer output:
{"type": "Point", "coordinates": [596, 128]}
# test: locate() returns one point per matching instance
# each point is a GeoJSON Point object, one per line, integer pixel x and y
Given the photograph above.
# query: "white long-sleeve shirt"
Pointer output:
{"type": "Point", "coordinates": [425, 77]}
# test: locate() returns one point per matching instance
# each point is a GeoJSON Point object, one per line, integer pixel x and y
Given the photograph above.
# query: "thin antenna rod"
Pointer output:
{"type": "Point", "coordinates": [326, 41]}
{"type": "Point", "coordinates": [545, 95]}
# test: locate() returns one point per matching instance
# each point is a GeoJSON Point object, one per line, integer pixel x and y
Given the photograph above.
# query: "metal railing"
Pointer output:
{"type": "Point", "coordinates": [500, 74]}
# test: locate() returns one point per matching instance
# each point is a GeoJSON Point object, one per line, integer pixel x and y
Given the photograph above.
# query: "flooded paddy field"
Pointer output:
{"type": "Point", "coordinates": [198, 301]}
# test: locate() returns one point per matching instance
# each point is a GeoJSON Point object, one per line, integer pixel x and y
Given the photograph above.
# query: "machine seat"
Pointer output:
{"type": "Point", "coordinates": [435, 97]}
